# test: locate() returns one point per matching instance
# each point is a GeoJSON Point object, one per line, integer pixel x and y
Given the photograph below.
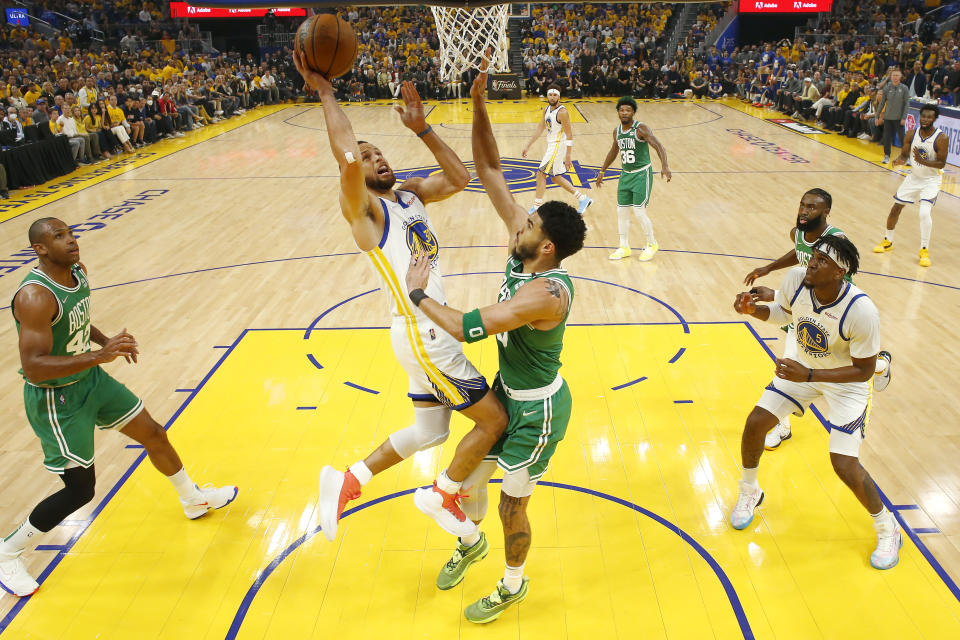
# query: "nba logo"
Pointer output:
{"type": "Point", "coordinates": [433, 334]}
{"type": "Point", "coordinates": [62, 399]}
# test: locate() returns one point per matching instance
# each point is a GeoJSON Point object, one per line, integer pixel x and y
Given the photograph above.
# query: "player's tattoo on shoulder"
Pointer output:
{"type": "Point", "coordinates": [555, 289]}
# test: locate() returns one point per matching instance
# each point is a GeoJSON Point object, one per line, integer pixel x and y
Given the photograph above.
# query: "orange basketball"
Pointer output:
{"type": "Point", "coordinates": [327, 44]}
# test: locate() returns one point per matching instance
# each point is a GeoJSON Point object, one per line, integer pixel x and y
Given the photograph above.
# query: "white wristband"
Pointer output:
{"type": "Point", "coordinates": [569, 143]}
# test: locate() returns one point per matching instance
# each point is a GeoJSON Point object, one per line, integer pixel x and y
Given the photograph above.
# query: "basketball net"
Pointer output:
{"type": "Point", "coordinates": [466, 33]}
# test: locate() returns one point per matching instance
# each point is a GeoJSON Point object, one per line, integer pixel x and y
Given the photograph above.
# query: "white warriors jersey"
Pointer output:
{"type": "Point", "coordinates": [406, 228]}
{"type": "Point", "coordinates": [551, 117]}
{"type": "Point", "coordinates": [927, 152]}
{"type": "Point", "coordinates": [829, 336]}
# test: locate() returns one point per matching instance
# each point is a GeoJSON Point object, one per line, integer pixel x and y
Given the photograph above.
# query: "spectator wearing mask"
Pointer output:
{"type": "Point", "coordinates": [12, 127]}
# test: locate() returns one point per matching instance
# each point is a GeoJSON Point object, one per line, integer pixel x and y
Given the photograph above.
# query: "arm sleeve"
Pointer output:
{"type": "Point", "coordinates": [862, 328]}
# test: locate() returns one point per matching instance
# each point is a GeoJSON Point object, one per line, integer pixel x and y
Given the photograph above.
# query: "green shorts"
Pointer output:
{"type": "Point", "coordinates": [64, 417]}
{"type": "Point", "coordinates": [634, 188]}
{"type": "Point", "coordinates": [534, 429]}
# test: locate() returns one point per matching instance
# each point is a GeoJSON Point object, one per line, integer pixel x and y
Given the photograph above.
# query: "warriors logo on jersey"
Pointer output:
{"type": "Point", "coordinates": [812, 338]}
{"type": "Point", "coordinates": [421, 241]}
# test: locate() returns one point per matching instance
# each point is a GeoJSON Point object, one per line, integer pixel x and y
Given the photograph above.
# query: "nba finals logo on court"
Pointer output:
{"type": "Point", "coordinates": [812, 337]}
{"type": "Point", "coordinates": [521, 174]}
{"type": "Point", "coordinates": [421, 241]}
{"type": "Point", "coordinates": [910, 122]}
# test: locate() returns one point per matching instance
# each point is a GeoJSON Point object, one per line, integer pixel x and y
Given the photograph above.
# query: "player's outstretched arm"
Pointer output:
{"type": "Point", "coordinates": [486, 157]}
{"type": "Point", "coordinates": [542, 303]}
{"type": "Point", "coordinates": [454, 176]}
{"type": "Point", "coordinates": [611, 156]}
{"type": "Point", "coordinates": [541, 127]}
{"type": "Point", "coordinates": [33, 308]}
{"type": "Point", "coordinates": [788, 259]}
{"type": "Point", "coordinates": [644, 133]}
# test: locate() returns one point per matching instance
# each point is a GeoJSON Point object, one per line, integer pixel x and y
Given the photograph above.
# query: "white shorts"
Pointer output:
{"type": "Point", "coordinates": [552, 163]}
{"type": "Point", "coordinates": [923, 189]}
{"type": "Point", "coordinates": [434, 361]}
{"type": "Point", "coordinates": [848, 408]}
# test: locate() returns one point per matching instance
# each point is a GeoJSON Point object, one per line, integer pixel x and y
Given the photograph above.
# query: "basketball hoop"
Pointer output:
{"type": "Point", "coordinates": [466, 33]}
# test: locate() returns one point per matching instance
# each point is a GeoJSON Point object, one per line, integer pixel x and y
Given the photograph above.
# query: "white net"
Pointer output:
{"type": "Point", "coordinates": [466, 33]}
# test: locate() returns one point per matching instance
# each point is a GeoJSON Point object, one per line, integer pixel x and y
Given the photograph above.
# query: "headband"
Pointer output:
{"type": "Point", "coordinates": [553, 92]}
{"type": "Point", "coordinates": [831, 253]}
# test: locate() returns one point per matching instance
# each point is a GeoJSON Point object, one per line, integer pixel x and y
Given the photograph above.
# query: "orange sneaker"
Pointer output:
{"type": "Point", "coordinates": [445, 509]}
{"type": "Point", "coordinates": [336, 490]}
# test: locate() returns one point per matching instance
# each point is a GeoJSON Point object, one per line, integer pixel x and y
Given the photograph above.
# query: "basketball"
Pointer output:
{"type": "Point", "coordinates": [327, 44]}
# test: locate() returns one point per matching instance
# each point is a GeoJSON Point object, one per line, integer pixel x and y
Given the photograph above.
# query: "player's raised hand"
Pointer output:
{"type": "Point", "coordinates": [479, 87]}
{"type": "Point", "coordinates": [419, 271]}
{"type": "Point", "coordinates": [411, 113]}
{"type": "Point", "coordinates": [759, 272]}
{"type": "Point", "coordinates": [314, 79]}
{"type": "Point", "coordinates": [744, 304]}
{"type": "Point", "coordinates": [122, 344]}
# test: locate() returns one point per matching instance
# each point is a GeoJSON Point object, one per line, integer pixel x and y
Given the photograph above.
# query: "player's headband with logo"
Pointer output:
{"type": "Point", "coordinates": [553, 92]}
{"type": "Point", "coordinates": [831, 253]}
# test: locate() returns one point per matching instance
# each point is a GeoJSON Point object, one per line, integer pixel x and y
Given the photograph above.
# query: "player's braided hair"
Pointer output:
{"type": "Point", "coordinates": [845, 249]}
{"type": "Point", "coordinates": [563, 226]}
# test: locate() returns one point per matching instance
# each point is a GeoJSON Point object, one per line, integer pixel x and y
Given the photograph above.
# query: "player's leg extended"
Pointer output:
{"type": "Point", "coordinates": [474, 547]}
{"type": "Point", "coordinates": [442, 501]}
{"type": "Point", "coordinates": [641, 186]}
{"type": "Point", "coordinates": [195, 501]}
{"type": "Point", "coordinates": [758, 423]}
{"type": "Point", "coordinates": [541, 188]}
{"type": "Point", "coordinates": [583, 200]}
{"type": "Point", "coordinates": [79, 485]}
{"type": "Point", "coordinates": [892, 218]}
{"type": "Point", "coordinates": [926, 228]}
{"type": "Point", "coordinates": [781, 432]}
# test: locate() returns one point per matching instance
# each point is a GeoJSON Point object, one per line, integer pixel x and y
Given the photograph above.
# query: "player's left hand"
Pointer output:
{"type": "Point", "coordinates": [666, 174]}
{"type": "Point", "coordinates": [792, 370]}
{"type": "Point", "coordinates": [419, 272]}
{"type": "Point", "coordinates": [917, 155]}
{"type": "Point", "coordinates": [412, 116]}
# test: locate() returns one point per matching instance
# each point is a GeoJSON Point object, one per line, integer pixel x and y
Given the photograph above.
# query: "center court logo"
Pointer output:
{"type": "Point", "coordinates": [812, 337]}
{"type": "Point", "coordinates": [521, 174]}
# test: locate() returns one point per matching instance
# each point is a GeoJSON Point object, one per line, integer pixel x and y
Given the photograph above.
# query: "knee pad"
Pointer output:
{"type": "Point", "coordinates": [431, 427]}
{"type": "Point", "coordinates": [517, 484]}
{"type": "Point", "coordinates": [81, 483]}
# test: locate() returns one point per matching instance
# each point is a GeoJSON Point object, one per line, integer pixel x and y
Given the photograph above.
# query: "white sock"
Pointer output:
{"type": "Point", "coordinates": [445, 484]}
{"type": "Point", "coordinates": [883, 522]}
{"type": "Point", "coordinates": [926, 224]}
{"type": "Point", "coordinates": [537, 202]}
{"type": "Point", "coordinates": [750, 476]}
{"type": "Point", "coordinates": [785, 421]}
{"type": "Point", "coordinates": [513, 578]}
{"type": "Point", "coordinates": [361, 472]}
{"type": "Point", "coordinates": [14, 544]}
{"type": "Point", "coordinates": [623, 225]}
{"type": "Point", "coordinates": [888, 235]}
{"type": "Point", "coordinates": [641, 213]}
{"type": "Point", "coordinates": [182, 483]}
{"type": "Point", "coordinates": [471, 539]}
{"type": "Point", "coordinates": [578, 195]}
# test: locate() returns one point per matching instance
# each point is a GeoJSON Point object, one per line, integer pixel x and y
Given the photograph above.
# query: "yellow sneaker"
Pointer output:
{"type": "Point", "coordinates": [648, 252]}
{"type": "Point", "coordinates": [924, 257]}
{"type": "Point", "coordinates": [883, 247]}
{"type": "Point", "coordinates": [621, 253]}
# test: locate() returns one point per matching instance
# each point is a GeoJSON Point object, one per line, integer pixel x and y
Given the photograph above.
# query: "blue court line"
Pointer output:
{"type": "Point", "coordinates": [925, 530]}
{"type": "Point", "coordinates": [221, 346]}
{"type": "Point", "coordinates": [83, 525]}
{"type": "Point", "coordinates": [361, 388]}
{"type": "Point", "coordinates": [683, 402]}
{"type": "Point", "coordinates": [731, 593]}
{"type": "Point", "coordinates": [677, 355]}
{"type": "Point", "coordinates": [313, 361]}
{"type": "Point", "coordinates": [627, 384]}
{"type": "Point", "coordinates": [51, 547]}
{"type": "Point", "coordinates": [769, 338]}
{"type": "Point", "coordinates": [904, 507]}
{"type": "Point", "coordinates": [924, 551]}
{"type": "Point", "coordinates": [134, 446]}
{"type": "Point", "coordinates": [185, 390]}
{"type": "Point", "coordinates": [306, 408]}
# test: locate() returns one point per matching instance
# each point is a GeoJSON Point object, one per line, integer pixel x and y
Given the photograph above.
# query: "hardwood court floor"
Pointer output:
{"type": "Point", "coordinates": [223, 254]}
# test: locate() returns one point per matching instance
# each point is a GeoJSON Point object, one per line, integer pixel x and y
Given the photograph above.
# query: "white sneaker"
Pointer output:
{"type": "Point", "coordinates": [750, 498]}
{"type": "Point", "coordinates": [881, 380]}
{"type": "Point", "coordinates": [887, 553]}
{"type": "Point", "coordinates": [648, 252]}
{"type": "Point", "coordinates": [178, 134]}
{"type": "Point", "coordinates": [14, 578]}
{"type": "Point", "coordinates": [206, 498]}
{"type": "Point", "coordinates": [621, 253]}
{"type": "Point", "coordinates": [445, 509]}
{"type": "Point", "coordinates": [337, 488]}
{"type": "Point", "coordinates": [777, 435]}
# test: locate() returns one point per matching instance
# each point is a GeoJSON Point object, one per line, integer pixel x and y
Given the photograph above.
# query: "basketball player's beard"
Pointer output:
{"type": "Point", "coordinates": [523, 253]}
{"type": "Point", "coordinates": [384, 183]}
{"type": "Point", "coordinates": [810, 224]}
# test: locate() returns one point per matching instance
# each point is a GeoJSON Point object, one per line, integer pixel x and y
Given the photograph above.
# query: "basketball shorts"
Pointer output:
{"type": "Point", "coordinates": [64, 417]}
{"type": "Point", "coordinates": [552, 163]}
{"type": "Point", "coordinates": [634, 188]}
{"type": "Point", "coordinates": [923, 189]}
{"type": "Point", "coordinates": [435, 364]}
{"type": "Point", "coordinates": [848, 408]}
{"type": "Point", "coordinates": [534, 427]}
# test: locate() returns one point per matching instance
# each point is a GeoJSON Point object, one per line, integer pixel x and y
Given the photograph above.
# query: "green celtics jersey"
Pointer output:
{"type": "Point", "coordinates": [71, 325]}
{"type": "Point", "coordinates": [634, 154]}
{"type": "Point", "coordinates": [530, 358]}
{"type": "Point", "coordinates": [804, 249]}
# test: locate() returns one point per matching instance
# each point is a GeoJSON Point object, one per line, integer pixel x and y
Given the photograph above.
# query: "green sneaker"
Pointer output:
{"type": "Point", "coordinates": [490, 608]}
{"type": "Point", "coordinates": [456, 568]}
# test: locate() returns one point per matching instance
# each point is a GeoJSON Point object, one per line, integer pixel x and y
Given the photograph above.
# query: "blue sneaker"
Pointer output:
{"type": "Point", "coordinates": [749, 499]}
{"type": "Point", "coordinates": [582, 207]}
{"type": "Point", "coordinates": [887, 553]}
{"type": "Point", "coordinates": [532, 210]}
